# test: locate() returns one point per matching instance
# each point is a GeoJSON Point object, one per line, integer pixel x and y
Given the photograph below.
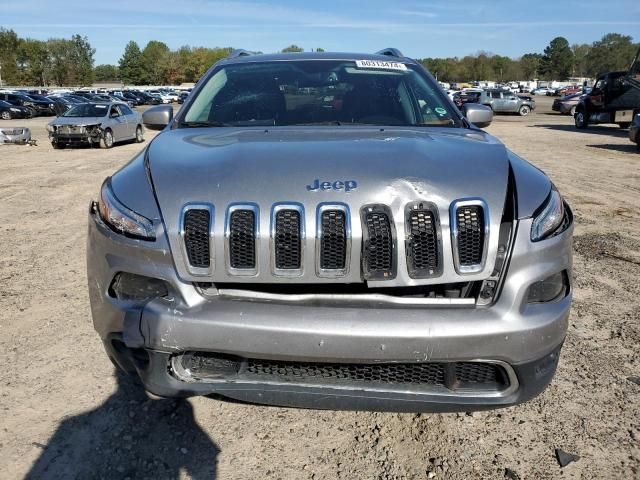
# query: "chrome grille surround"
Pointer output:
{"type": "Point", "coordinates": [287, 272]}
{"type": "Point", "coordinates": [320, 211]}
{"type": "Point", "coordinates": [455, 234]}
{"type": "Point", "coordinates": [256, 238]}
{"type": "Point", "coordinates": [198, 271]}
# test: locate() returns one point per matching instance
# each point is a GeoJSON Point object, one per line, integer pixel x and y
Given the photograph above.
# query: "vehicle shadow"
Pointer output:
{"type": "Point", "coordinates": [631, 148]}
{"type": "Point", "coordinates": [593, 129]}
{"type": "Point", "coordinates": [129, 436]}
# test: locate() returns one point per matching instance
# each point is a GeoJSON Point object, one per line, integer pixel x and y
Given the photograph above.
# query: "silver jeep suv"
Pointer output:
{"type": "Point", "coordinates": [328, 230]}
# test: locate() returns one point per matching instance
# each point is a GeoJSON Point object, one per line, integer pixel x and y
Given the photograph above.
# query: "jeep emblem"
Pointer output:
{"type": "Point", "coordinates": [346, 185]}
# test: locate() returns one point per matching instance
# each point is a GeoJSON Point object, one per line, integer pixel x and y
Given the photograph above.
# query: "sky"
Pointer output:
{"type": "Point", "coordinates": [427, 28]}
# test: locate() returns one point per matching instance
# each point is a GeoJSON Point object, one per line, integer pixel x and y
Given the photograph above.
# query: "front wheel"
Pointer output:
{"type": "Point", "coordinates": [139, 135]}
{"type": "Point", "coordinates": [107, 139]}
{"type": "Point", "coordinates": [6, 115]}
{"type": "Point", "coordinates": [524, 110]}
{"type": "Point", "coordinates": [580, 120]}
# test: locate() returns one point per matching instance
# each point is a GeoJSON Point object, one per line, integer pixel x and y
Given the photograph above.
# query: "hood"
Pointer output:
{"type": "Point", "coordinates": [77, 121]}
{"type": "Point", "coordinates": [352, 166]}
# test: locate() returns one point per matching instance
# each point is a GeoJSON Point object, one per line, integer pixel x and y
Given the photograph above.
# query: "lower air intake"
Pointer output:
{"type": "Point", "coordinates": [205, 366]}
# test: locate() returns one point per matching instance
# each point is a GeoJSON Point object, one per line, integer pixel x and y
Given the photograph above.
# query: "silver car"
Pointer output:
{"type": "Point", "coordinates": [328, 230]}
{"type": "Point", "coordinates": [96, 123]}
{"type": "Point", "coordinates": [505, 101]}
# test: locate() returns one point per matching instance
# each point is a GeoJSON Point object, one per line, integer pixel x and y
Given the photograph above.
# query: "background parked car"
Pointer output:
{"type": "Point", "coordinates": [542, 91]}
{"type": "Point", "coordinates": [634, 131]}
{"type": "Point", "coordinates": [505, 101]}
{"type": "Point", "coordinates": [567, 104]}
{"type": "Point", "coordinates": [38, 107]}
{"type": "Point", "coordinates": [92, 123]}
{"type": "Point", "coordinates": [9, 111]}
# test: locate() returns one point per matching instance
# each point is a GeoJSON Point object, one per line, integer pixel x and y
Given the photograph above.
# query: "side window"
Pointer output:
{"type": "Point", "coordinates": [495, 94]}
{"type": "Point", "coordinates": [125, 110]}
{"type": "Point", "coordinates": [114, 111]}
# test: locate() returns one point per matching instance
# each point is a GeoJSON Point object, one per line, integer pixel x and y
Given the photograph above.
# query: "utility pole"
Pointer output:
{"type": "Point", "coordinates": [0, 75]}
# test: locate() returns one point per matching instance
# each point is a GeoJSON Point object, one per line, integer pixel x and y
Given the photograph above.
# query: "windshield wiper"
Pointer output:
{"type": "Point", "coordinates": [203, 124]}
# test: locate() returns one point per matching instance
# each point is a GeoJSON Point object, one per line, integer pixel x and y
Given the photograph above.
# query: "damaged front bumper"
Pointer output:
{"type": "Point", "coordinates": [75, 135]}
{"type": "Point", "coordinates": [312, 354]}
{"type": "Point", "coordinates": [15, 135]}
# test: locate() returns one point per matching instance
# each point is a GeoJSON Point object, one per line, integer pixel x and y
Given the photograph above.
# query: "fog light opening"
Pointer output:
{"type": "Point", "coordinates": [550, 289]}
{"type": "Point", "coordinates": [137, 288]}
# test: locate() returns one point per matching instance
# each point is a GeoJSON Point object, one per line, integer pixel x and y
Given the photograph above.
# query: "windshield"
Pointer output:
{"type": "Point", "coordinates": [317, 92]}
{"type": "Point", "coordinates": [87, 110]}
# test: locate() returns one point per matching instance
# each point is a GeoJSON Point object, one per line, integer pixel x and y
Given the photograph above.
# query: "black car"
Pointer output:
{"type": "Point", "coordinates": [9, 111]}
{"type": "Point", "coordinates": [182, 96]}
{"type": "Point", "coordinates": [64, 103]}
{"type": "Point", "coordinates": [149, 99]}
{"type": "Point", "coordinates": [39, 107]}
{"type": "Point", "coordinates": [134, 97]}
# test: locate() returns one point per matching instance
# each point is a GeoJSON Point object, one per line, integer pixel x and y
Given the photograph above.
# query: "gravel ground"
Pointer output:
{"type": "Point", "coordinates": [67, 414]}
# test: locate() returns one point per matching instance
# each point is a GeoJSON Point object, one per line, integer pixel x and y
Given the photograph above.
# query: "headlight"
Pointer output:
{"type": "Point", "coordinates": [15, 109]}
{"type": "Point", "coordinates": [51, 128]}
{"type": "Point", "coordinates": [550, 217]}
{"type": "Point", "coordinates": [120, 218]}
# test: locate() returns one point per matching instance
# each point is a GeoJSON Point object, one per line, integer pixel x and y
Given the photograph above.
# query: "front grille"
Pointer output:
{"type": "Point", "coordinates": [196, 237]}
{"type": "Point", "coordinates": [242, 241]}
{"type": "Point", "coordinates": [378, 244]}
{"type": "Point", "coordinates": [205, 366]}
{"type": "Point", "coordinates": [470, 223]}
{"type": "Point", "coordinates": [287, 240]}
{"type": "Point", "coordinates": [422, 244]}
{"type": "Point", "coordinates": [333, 240]}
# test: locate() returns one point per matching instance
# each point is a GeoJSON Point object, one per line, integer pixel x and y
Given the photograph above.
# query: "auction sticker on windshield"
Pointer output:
{"type": "Point", "coordinates": [380, 64]}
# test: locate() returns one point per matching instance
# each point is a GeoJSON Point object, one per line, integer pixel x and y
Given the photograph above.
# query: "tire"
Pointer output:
{"type": "Point", "coordinates": [139, 134]}
{"type": "Point", "coordinates": [624, 125]}
{"type": "Point", "coordinates": [572, 112]}
{"type": "Point", "coordinates": [56, 145]}
{"type": "Point", "coordinates": [107, 138]}
{"type": "Point", "coordinates": [524, 110]}
{"type": "Point", "coordinates": [6, 115]}
{"type": "Point", "coordinates": [580, 120]}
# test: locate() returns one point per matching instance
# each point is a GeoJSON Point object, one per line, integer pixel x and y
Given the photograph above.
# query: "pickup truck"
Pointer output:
{"type": "Point", "coordinates": [615, 98]}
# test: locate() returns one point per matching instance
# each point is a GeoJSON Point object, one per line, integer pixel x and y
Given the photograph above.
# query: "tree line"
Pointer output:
{"type": "Point", "coordinates": [70, 62]}
{"type": "Point", "coordinates": [559, 61]}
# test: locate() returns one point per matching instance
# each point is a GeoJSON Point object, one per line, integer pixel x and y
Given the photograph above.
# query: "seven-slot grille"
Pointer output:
{"type": "Point", "coordinates": [333, 240]}
{"type": "Point", "coordinates": [470, 224]}
{"type": "Point", "coordinates": [378, 259]}
{"type": "Point", "coordinates": [242, 239]}
{"type": "Point", "coordinates": [196, 237]}
{"type": "Point", "coordinates": [287, 240]}
{"type": "Point", "coordinates": [378, 238]}
{"type": "Point", "coordinates": [422, 243]}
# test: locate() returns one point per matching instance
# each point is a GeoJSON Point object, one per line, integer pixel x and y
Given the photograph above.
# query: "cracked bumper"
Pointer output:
{"type": "Point", "coordinates": [525, 337]}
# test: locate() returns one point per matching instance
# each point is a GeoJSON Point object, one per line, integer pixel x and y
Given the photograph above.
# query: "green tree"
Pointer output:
{"type": "Point", "coordinates": [292, 49]}
{"type": "Point", "coordinates": [106, 73]}
{"type": "Point", "coordinates": [8, 60]}
{"type": "Point", "coordinates": [611, 52]}
{"type": "Point", "coordinates": [530, 65]}
{"type": "Point", "coordinates": [130, 64]}
{"type": "Point", "coordinates": [59, 61]}
{"type": "Point", "coordinates": [81, 57]}
{"type": "Point", "coordinates": [154, 59]}
{"type": "Point", "coordinates": [580, 59]}
{"type": "Point", "coordinates": [557, 61]}
{"type": "Point", "coordinates": [33, 62]}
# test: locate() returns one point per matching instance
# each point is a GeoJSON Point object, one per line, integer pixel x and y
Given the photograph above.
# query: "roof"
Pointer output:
{"type": "Point", "coordinates": [313, 56]}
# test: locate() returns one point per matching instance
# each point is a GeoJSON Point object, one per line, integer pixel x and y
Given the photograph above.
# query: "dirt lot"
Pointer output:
{"type": "Point", "coordinates": [66, 414]}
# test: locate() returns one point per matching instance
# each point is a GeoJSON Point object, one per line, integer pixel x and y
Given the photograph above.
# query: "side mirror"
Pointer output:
{"type": "Point", "coordinates": [480, 115]}
{"type": "Point", "coordinates": [156, 118]}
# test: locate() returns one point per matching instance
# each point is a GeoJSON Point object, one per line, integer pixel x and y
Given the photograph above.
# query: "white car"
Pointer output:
{"type": "Point", "coordinates": [541, 91]}
{"type": "Point", "coordinates": [163, 96]}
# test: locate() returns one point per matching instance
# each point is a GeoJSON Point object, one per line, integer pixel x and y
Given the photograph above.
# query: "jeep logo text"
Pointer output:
{"type": "Point", "coordinates": [346, 185]}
